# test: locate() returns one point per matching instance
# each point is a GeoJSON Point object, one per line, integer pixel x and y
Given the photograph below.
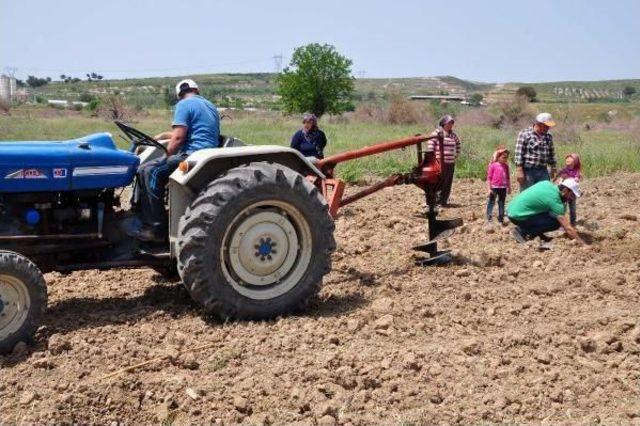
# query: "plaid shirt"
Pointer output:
{"type": "Point", "coordinates": [533, 150]}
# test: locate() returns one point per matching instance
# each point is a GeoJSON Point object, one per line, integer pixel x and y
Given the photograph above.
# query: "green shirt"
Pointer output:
{"type": "Point", "coordinates": [543, 197]}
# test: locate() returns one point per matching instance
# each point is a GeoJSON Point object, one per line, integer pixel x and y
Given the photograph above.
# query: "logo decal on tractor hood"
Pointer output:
{"type": "Point", "coordinates": [59, 173]}
{"type": "Point", "coordinates": [26, 174]}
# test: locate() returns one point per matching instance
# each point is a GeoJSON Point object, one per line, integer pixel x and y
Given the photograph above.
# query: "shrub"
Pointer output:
{"type": "Point", "coordinates": [528, 92]}
{"type": "Point", "coordinates": [5, 107]}
{"type": "Point", "coordinates": [86, 97]}
{"type": "Point", "coordinates": [402, 111]}
{"type": "Point", "coordinates": [476, 99]}
{"type": "Point", "coordinates": [512, 112]}
{"type": "Point", "coordinates": [114, 108]}
{"type": "Point", "coordinates": [93, 104]}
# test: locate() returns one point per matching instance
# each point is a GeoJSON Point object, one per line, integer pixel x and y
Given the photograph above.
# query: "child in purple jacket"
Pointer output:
{"type": "Point", "coordinates": [571, 170]}
{"type": "Point", "coordinates": [498, 183]}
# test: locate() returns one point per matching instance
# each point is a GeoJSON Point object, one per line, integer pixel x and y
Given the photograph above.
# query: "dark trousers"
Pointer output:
{"type": "Point", "coordinates": [446, 181]}
{"type": "Point", "coordinates": [572, 211]}
{"type": "Point", "coordinates": [533, 175]}
{"type": "Point", "coordinates": [537, 224]}
{"type": "Point", "coordinates": [501, 195]}
{"type": "Point", "coordinates": [152, 180]}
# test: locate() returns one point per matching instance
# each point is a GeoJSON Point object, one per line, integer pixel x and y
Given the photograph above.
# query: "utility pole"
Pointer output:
{"type": "Point", "coordinates": [11, 71]}
{"type": "Point", "coordinates": [277, 63]}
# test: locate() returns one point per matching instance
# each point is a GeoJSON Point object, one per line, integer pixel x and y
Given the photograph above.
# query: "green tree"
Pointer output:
{"type": "Point", "coordinates": [629, 91]}
{"type": "Point", "coordinates": [318, 79]}
{"type": "Point", "coordinates": [34, 81]}
{"type": "Point", "coordinates": [527, 92]}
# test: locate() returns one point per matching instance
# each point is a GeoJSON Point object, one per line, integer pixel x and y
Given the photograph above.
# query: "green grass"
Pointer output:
{"type": "Point", "coordinates": [603, 152]}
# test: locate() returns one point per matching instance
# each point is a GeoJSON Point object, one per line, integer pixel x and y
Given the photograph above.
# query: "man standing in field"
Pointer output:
{"type": "Point", "coordinates": [534, 152]}
{"type": "Point", "coordinates": [196, 126]}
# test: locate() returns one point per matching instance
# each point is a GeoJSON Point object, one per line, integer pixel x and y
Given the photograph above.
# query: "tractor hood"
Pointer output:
{"type": "Point", "coordinates": [90, 162]}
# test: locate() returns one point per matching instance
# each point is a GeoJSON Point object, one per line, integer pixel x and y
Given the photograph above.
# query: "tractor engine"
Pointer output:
{"type": "Point", "coordinates": [56, 224]}
{"type": "Point", "coordinates": [53, 213]}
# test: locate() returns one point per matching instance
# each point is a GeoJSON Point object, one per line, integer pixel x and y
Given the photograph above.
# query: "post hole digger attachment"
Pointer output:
{"type": "Point", "coordinates": [426, 175]}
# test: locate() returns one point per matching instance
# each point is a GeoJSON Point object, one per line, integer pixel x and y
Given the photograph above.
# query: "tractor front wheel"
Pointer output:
{"type": "Point", "coordinates": [255, 243]}
{"type": "Point", "coordinates": [23, 299]}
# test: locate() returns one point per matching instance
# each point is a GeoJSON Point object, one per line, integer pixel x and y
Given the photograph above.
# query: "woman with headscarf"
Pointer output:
{"type": "Point", "coordinates": [451, 151]}
{"type": "Point", "coordinates": [309, 140]}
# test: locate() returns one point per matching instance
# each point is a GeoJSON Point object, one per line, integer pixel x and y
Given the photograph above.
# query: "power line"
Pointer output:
{"type": "Point", "coordinates": [10, 71]}
{"type": "Point", "coordinates": [185, 68]}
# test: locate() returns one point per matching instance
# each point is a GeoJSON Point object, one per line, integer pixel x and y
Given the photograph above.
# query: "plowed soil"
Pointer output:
{"type": "Point", "coordinates": [505, 334]}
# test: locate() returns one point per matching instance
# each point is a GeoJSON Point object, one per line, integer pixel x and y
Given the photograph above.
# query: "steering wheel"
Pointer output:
{"type": "Point", "coordinates": [138, 138]}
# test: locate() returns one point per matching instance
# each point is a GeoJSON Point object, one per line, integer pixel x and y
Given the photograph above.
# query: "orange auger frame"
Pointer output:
{"type": "Point", "coordinates": [425, 175]}
{"type": "Point", "coordinates": [333, 188]}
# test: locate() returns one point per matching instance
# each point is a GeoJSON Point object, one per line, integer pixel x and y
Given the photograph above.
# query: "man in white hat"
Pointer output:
{"type": "Point", "coordinates": [541, 208]}
{"type": "Point", "coordinates": [534, 152]}
{"type": "Point", "coordinates": [196, 126]}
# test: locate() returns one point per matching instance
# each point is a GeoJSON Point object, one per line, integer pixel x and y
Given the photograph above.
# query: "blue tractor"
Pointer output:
{"type": "Point", "coordinates": [250, 235]}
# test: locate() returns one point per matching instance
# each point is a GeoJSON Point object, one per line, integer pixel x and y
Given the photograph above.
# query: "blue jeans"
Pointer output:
{"type": "Point", "coordinates": [501, 194]}
{"type": "Point", "coordinates": [152, 180]}
{"type": "Point", "coordinates": [537, 224]}
{"type": "Point", "coordinates": [533, 175]}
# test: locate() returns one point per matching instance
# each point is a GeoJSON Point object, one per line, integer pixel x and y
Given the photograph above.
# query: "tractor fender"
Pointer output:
{"type": "Point", "coordinates": [207, 164]}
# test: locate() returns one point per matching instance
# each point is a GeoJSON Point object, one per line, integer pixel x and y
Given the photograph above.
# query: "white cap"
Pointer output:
{"type": "Point", "coordinates": [185, 84]}
{"type": "Point", "coordinates": [573, 185]}
{"type": "Point", "coordinates": [546, 119]}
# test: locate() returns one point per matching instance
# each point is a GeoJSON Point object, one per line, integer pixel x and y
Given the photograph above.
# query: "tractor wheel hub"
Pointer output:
{"type": "Point", "coordinates": [14, 304]}
{"type": "Point", "coordinates": [263, 248]}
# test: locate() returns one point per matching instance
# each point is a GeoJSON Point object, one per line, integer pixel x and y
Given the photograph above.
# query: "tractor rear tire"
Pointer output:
{"type": "Point", "coordinates": [23, 299]}
{"type": "Point", "coordinates": [255, 243]}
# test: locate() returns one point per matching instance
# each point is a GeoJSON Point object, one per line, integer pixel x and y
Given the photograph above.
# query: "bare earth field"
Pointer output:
{"type": "Point", "coordinates": [507, 334]}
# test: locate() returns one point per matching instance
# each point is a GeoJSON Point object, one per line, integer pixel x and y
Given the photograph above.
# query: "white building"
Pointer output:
{"type": "Point", "coordinates": [7, 88]}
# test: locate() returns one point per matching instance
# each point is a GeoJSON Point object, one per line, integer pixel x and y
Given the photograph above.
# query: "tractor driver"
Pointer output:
{"type": "Point", "coordinates": [196, 125]}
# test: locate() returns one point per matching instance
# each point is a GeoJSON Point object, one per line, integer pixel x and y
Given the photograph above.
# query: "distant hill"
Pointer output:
{"type": "Point", "coordinates": [258, 89]}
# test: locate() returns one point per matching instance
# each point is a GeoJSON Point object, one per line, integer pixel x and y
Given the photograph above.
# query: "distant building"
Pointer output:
{"type": "Point", "coordinates": [7, 88]}
{"type": "Point", "coordinates": [456, 98]}
{"type": "Point", "coordinates": [60, 103]}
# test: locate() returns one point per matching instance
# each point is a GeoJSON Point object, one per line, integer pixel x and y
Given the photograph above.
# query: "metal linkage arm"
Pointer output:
{"type": "Point", "coordinates": [327, 164]}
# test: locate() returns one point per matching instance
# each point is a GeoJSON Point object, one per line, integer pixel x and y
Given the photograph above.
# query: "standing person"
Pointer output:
{"type": "Point", "coordinates": [572, 170]}
{"type": "Point", "coordinates": [498, 183]}
{"type": "Point", "coordinates": [196, 126]}
{"type": "Point", "coordinates": [540, 208]}
{"type": "Point", "coordinates": [534, 152]}
{"type": "Point", "coordinates": [309, 140]}
{"type": "Point", "coordinates": [451, 151]}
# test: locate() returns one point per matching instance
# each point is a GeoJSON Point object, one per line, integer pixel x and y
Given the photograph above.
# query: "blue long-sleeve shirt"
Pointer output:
{"type": "Point", "coordinates": [310, 145]}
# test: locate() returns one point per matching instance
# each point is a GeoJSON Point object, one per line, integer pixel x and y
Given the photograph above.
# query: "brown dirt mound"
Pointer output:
{"type": "Point", "coordinates": [506, 334]}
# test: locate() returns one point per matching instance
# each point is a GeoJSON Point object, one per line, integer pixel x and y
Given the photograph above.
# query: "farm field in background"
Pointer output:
{"type": "Point", "coordinates": [606, 144]}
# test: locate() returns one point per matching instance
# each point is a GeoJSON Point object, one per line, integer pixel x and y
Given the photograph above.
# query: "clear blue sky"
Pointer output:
{"type": "Point", "coordinates": [493, 41]}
